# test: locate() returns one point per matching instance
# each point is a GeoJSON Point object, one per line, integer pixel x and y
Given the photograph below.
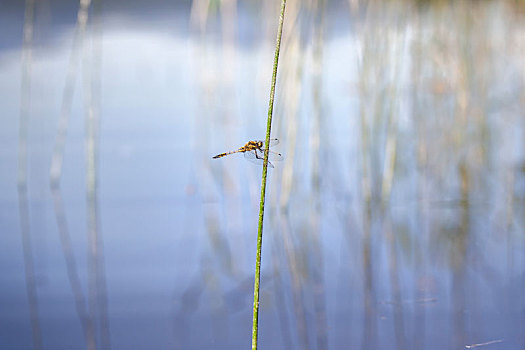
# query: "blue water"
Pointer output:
{"type": "Point", "coordinates": [394, 221]}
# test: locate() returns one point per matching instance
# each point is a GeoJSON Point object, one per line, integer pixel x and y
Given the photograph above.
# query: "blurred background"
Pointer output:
{"type": "Point", "coordinates": [395, 221]}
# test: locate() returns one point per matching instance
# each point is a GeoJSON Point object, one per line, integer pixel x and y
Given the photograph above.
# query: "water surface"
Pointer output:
{"type": "Point", "coordinates": [396, 219]}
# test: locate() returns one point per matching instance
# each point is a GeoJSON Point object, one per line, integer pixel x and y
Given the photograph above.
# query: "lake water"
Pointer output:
{"type": "Point", "coordinates": [395, 221]}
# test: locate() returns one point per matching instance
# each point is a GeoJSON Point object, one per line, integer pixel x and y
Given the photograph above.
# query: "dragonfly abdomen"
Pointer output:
{"type": "Point", "coordinates": [227, 153]}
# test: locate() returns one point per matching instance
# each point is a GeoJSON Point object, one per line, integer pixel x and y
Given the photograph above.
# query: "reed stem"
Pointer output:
{"type": "Point", "coordinates": [255, 327]}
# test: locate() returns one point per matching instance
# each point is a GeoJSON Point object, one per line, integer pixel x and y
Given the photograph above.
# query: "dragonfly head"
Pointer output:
{"type": "Point", "coordinates": [259, 144]}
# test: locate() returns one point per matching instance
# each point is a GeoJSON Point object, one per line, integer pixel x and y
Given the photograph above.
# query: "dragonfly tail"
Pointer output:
{"type": "Point", "coordinates": [225, 154]}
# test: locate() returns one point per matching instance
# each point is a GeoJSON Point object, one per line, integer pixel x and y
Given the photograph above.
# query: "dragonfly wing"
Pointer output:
{"type": "Point", "coordinates": [251, 155]}
{"type": "Point", "coordinates": [275, 156]}
{"type": "Point", "coordinates": [273, 142]}
{"type": "Point", "coordinates": [271, 155]}
{"type": "Point", "coordinates": [260, 154]}
{"type": "Point", "coordinates": [256, 157]}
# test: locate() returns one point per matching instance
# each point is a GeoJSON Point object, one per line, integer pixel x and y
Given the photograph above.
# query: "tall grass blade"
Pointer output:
{"type": "Point", "coordinates": [255, 327]}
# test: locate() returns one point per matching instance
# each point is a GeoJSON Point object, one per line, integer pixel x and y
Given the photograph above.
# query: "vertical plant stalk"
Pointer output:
{"type": "Point", "coordinates": [255, 327]}
{"type": "Point", "coordinates": [22, 179]}
{"type": "Point", "coordinates": [57, 158]}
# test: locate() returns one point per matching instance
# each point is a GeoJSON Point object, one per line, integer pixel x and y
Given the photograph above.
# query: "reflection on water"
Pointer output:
{"type": "Point", "coordinates": [396, 219]}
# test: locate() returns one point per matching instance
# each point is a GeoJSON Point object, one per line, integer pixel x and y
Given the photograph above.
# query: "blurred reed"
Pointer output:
{"type": "Point", "coordinates": [82, 304]}
{"type": "Point", "coordinates": [423, 84]}
{"type": "Point", "coordinates": [92, 310]}
{"type": "Point", "coordinates": [68, 92]}
{"type": "Point", "coordinates": [97, 286]}
{"type": "Point", "coordinates": [400, 178]}
{"type": "Point", "coordinates": [22, 178]}
{"type": "Point", "coordinates": [216, 110]}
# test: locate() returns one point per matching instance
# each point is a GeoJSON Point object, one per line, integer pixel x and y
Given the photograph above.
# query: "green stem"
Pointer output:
{"type": "Point", "coordinates": [263, 184]}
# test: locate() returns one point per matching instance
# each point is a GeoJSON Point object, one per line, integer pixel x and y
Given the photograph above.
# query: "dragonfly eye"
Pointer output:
{"type": "Point", "coordinates": [259, 144]}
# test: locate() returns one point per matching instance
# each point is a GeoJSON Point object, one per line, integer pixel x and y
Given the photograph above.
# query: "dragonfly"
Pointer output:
{"type": "Point", "coordinates": [254, 152]}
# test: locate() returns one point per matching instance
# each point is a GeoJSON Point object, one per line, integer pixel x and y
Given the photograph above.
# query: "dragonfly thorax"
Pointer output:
{"type": "Point", "coordinates": [253, 145]}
